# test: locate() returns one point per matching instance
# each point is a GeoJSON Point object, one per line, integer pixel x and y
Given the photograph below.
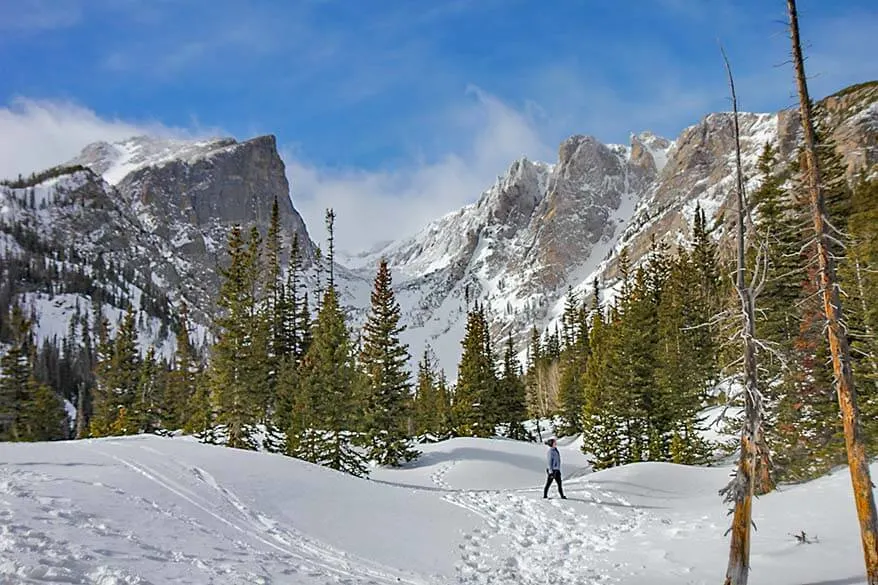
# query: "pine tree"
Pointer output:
{"type": "Point", "coordinates": [179, 404]}
{"type": "Point", "coordinates": [574, 359]}
{"type": "Point", "coordinates": [513, 404]}
{"type": "Point", "coordinates": [148, 405]}
{"type": "Point", "coordinates": [602, 429]}
{"type": "Point", "coordinates": [682, 379]}
{"type": "Point", "coordinates": [15, 370]}
{"type": "Point", "coordinates": [328, 382]}
{"type": "Point", "coordinates": [233, 399]}
{"type": "Point", "coordinates": [259, 370]}
{"type": "Point", "coordinates": [473, 408]}
{"type": "Point", "coordinates": [383, 360]}
{"type": "Point", "coordinates": [273, 307]}
{"type": "Point", "coordinates": [44, 415]}
{"type": "Point", "coordinates": [532, 381]}
{"type": "Point", "coordinates": [425, 390]}
{"type": "Point", "coordinates": [117, 379]}
{"type": "Point", "coordinates": [328, 405]}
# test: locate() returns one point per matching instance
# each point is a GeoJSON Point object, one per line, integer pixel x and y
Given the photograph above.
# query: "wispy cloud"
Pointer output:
{"type": "Point", "coordinates": [37, 134]}
{"type": "Point", "coordinates": [385, 205]}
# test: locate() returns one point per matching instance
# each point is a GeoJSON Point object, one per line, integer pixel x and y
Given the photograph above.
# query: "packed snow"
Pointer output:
{"type": "Point", "coordinates": [147, 509]}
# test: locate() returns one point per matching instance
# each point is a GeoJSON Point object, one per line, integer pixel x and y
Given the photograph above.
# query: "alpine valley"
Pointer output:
{"type": "Point", "coordinates": [145, 221]}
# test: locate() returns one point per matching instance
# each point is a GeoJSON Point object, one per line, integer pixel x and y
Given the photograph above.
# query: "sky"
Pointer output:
{"type": "Point", "coordinates": [394, 112]}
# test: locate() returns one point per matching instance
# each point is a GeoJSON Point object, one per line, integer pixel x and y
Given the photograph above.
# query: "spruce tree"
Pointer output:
{"type": "Point", "coordinates": [574, 358]}
{"type": "Point", "coordinates": [233, 358]}
{"type": "Point", "coordinates": [602, 428]}
{"type": "Point", "coordinates": [682, 380]}
{"type": "Point", "coordinates": [117, 380]}
{"type": "Point", "coordinates": [273, 307]}
{"type": "Point", "coordinates": [179, 402]}
{"type": "Point", "coordinates": [513, 404]}
{"type": "Point", "coordinates": [44, 416]}
{"type": "Point", "coordinates": [473, 409]}
{"type": "Point", "coordinates": [861, 272]}
{"type": "Point", "coordinates": [424, 399]}
{"type": "Point", "coordinates": [383, 359]}
{"type": "Point", "coordinates": [15, 371]}
{"type": "Point", "coordinates": [329, 405]}
{"type": "Point", "coordinates": [148, 404]}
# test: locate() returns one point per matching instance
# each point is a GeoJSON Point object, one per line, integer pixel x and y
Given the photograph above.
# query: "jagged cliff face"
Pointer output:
{"type": "Point", "coordinates": [158, 212]}
{"type": "Point", "coordinates": [191, 192]}
{"type": "Point", "coordinates": [538, 228]}
{"type": "Point", "coordinates": [701, 164]}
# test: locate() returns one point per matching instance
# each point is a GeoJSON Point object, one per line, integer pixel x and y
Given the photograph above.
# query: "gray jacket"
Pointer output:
{"type": "Point", "coordinates": [553, 460]}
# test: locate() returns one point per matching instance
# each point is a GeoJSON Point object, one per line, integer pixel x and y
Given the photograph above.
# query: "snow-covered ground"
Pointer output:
{"type": "Point", "coordinates": [170, 510]}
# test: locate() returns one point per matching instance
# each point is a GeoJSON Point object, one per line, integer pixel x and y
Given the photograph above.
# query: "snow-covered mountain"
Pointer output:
{"type": "Point", "coordinates": [542, 228]}
{"type": "Point", "coordinates": [148, 218]}
{"type": "Point", "coordinates": [140, 223]}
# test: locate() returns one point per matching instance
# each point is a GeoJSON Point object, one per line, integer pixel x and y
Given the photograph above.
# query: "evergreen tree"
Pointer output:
{"type": "Point", "coordinates": [425, 390]}
{"type": "Point", "coordinates": [117, 380]}
{"type": "Point", "coordinates": [328, 404]}
{"type": "Point", "coordinates": [383, 359]}
{"type": "Point", "coordinates": [574, 358]}
{"type": "Point", "coordinates": [44, 416]}
{"type": "Point", "coordinates": [179, 404]}
{"type": "Point", "coordinates": [234, 398]}
{"type": "Point", "coordinates": [779, 228]}
{"type": "Point", "coordinates": [513, 404]}
{"type": "Point", "coordinates": [273, 307]}
{"type": "Point", "coordinates": [682, 379]}
{"type": "Point", "coordinates": [602, 428]}
{"type": "Point", "coordinates": [15, 381]}
{"type": "Point", "coordinates": [473, 408]}
{"type": "Point", "coordinates": [861, 273]}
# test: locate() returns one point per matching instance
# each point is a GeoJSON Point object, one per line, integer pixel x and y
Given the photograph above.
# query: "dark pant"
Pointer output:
{"type": "Point", "coordinates": [556, 476]}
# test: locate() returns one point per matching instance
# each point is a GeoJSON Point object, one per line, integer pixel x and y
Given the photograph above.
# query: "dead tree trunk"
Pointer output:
{"type": "Point", "coordinates": [838, 343]}
{"type": "Point", "coordinates": [740, 490]}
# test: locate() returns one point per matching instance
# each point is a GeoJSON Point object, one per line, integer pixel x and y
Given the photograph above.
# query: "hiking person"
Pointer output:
{"type": "Point", "coordinates": [553, 469]}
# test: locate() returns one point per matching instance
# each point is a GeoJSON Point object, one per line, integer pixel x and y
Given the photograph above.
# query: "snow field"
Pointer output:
{"type": "Point", "coordinates": [146, 509]}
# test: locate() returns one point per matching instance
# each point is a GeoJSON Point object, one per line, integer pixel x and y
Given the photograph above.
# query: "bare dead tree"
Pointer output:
{"type": "Point", "coordinates": [858, 462]}
{"type": "Point", "coordinates": [740, 490]}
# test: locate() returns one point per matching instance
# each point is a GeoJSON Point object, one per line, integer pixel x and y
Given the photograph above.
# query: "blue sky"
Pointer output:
{"type": "Point", "coordinates": [411, 106]}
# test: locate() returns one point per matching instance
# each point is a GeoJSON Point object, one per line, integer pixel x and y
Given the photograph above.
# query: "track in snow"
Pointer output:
{"type": "Point", "coordinates": [528, 540]}
{"type": "Point", "coordinates": [309, 555]}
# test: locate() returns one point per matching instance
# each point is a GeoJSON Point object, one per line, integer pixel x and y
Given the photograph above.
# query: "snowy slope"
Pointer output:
{"type": "Point", "coordinates": [152, 510]}
{"type": "Point", "coordinates": [115, 161]}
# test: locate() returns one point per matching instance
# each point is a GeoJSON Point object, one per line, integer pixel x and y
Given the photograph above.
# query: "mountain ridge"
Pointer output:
{"type": "Point", "coordinates": [540, 228]}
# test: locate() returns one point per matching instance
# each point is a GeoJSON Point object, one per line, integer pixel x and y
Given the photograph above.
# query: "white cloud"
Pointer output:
{"type": "Point", "coordinates": [487, 135]}
{"type": "Point", "coordinates": [383, 205]}
{"type": "Point", "coordinates": [35, 134]}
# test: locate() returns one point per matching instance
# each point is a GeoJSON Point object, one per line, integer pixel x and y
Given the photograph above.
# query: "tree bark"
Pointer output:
{"type": "Point", "coordinates": [838, 344]}
{"type": "Point", "coordinates": [742, 487]}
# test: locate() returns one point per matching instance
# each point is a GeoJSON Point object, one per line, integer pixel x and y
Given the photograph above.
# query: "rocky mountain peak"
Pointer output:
{"type": "Point", "coordinates": [512, 199]}
{"type": "Point", "coordinates": [649, 152]}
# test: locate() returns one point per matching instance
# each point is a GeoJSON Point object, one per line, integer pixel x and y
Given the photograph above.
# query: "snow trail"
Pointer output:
{"type": "Point", "coordinates": [529, 540]}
